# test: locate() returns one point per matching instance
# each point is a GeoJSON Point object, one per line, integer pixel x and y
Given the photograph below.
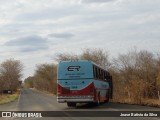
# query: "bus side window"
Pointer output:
{"type": "Point", "coordinates": [94, 71]}
{"type": "Point", "coordinates": [99, 73]}
{"type": "Point", "coordinates": [102, 75]}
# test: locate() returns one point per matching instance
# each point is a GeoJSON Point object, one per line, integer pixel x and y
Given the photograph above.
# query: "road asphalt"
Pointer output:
{"type": "Point", "coordinates": [31, 101]}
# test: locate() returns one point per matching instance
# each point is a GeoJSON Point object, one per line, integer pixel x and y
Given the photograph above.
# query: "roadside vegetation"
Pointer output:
{"type": "Point", "coordinates": [44, 78]}
{"type": "Point", "coordinates": [136, 78]}
{"type": "Point", "coordinates": [8, 98]}
{"type": "Point", "coordinates": [10, 75]}
{"type": "Point", "coordinates": [136, 74]}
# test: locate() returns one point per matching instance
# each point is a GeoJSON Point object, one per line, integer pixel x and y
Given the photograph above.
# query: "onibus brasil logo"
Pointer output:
{"type": "Point", "coordinates": [21, 114]}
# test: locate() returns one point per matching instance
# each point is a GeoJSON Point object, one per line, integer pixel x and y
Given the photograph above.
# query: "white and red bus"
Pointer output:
{"type": "Point", "coordinates": [83, 81]}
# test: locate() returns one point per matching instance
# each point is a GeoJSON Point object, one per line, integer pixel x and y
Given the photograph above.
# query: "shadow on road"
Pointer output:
{"type": "Point", "coordinates": [90, 106]}
{"type": "Point", "coordinates": [115, 106]}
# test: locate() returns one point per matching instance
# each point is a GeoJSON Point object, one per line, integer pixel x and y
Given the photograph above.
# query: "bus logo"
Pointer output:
{"type": "Point", "coordinates": [73, 68]}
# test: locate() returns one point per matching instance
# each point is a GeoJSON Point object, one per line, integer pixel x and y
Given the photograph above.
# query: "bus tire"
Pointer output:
{"type": "Point", "coordinates": [71, 104]}
{"type": "Point", "coordinates": [98, 101]}
{"type": "Point", "coordinates": [107, 97]}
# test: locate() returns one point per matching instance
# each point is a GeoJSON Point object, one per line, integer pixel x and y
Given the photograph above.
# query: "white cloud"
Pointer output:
{"type": "Point", "coordinates": [96, 1]}
{"type": "Point", "coordinates": [61, 35]}
{"type": "Point", "coordinates": [71, 25]}
{"type": "Point", "coordinates": [28, 43]}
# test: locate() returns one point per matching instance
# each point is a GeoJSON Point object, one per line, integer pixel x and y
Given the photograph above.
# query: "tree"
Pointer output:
{"type": "Point", "coordinates": [29, 82]}
{"type": "Point", "coordinates": [147, 71]}
{"type": "Point", "coordinates": [10, 74]}
{"type": "Point", "coordinates": [2, 84]}
{"type": "Point", "coordinates": [98, 56]}
{"type": "Point", "coordinates": [133, 69]}
{"type": "Point", "coordinates": [66, 56]}
{"type": "Point", "coordinates": [158, 82]}
{"type": "Point", "coordinates": [45, 77]}
{"type": "Point", "coordinates": [158, 72]}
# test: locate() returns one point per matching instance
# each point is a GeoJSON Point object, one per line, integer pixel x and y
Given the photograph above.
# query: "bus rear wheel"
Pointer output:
{"type": "Point", "coordinates": [107, 98]}
{"type": "Point", "coordinates": [98, 101]}
{"type": "Point", "coordinates": [71, 104]}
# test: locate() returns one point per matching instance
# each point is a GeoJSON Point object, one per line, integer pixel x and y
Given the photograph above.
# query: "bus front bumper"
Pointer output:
{"type": "Point", "coordinates": [62, 99]}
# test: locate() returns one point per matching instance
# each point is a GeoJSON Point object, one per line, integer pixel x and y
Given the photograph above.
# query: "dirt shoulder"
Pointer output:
{"type": "Point", "coordinates": [7, 98]}
{"type": "Point", "coordinates": [144, 102]}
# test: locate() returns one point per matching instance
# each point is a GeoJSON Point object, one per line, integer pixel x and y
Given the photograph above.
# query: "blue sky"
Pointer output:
{"type": "Point", "coordinates": [35, 31]}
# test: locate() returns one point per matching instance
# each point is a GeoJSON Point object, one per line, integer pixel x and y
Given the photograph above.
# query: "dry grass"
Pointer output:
{"type": "Point", "coordinates": [151, 102]}
{"type": "Point", "coordinates": [145, 102]}
{"type": "Point", "coordinates": [8, 98]}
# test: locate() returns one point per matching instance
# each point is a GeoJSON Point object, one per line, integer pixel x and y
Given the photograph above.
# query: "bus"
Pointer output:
{"type": "Point", "coordinates": [83, 81]}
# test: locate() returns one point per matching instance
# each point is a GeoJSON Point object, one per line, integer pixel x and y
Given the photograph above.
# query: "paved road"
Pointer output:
{"type": "Point", "coordinates": [31, 100]}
